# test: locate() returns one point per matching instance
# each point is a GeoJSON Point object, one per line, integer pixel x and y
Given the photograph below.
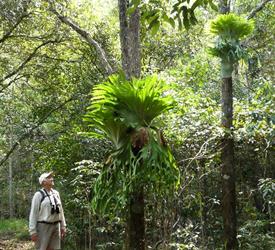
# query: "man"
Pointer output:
{"type": "Point", "coordinates": [47, 222]}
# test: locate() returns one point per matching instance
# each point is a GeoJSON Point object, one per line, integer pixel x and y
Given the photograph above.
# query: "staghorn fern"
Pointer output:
{"type": "Point", "coordinates": [126, 112]}
{"type": "Point", "coordinates": [119, 105]}
{"type": "Point", "coordinates": [229, 28]}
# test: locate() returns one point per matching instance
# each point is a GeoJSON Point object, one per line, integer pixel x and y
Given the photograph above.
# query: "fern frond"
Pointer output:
{"type": "Point", "coordinates": [231, 26]}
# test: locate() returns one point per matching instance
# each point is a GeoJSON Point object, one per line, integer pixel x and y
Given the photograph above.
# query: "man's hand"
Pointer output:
{"type": "Point", "coordinates": [34, 237]}
{"type": "Point", "coordinates": [63, 232]}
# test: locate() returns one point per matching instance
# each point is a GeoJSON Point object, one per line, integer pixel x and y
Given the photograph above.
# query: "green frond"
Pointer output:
{"type": "Point", "coordinates": [232, 27]}
{"type": "Point", "coordinates": [229, 29]}
{"type": "Point", "coordinates": [230, 51]}
{"type": "Point", "coordinates": [120, 110]}
{"type": "Point", "coordinates": [154, 168]}
{"type": "Point", "coordinates": [119, 105]}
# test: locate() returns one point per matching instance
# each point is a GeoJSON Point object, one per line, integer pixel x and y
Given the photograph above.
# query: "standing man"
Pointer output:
{"type": "Point", "coordinates": [47, 222]}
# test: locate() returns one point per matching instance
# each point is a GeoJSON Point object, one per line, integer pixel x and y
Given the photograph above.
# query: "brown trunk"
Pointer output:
{"type": "Point", "coordinates": [135, 222]}
{"type": "Point", "coordinates": [228, 172]}
{"type": "Point", "coordinates": [130, 40]}
{"type": "Point", "coordinates": [131, 63]}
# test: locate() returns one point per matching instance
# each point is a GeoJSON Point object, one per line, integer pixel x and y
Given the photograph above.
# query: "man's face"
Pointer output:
{"type": "Point", "coordinates": [48, 181]}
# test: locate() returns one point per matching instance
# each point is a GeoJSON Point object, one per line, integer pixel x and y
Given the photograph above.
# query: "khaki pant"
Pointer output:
{"type": "Point", "coordinates": [49, 236]}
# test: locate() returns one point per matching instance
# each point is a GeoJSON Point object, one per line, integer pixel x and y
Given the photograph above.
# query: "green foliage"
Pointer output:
{"type": "Point", "coordinates": [267, 188]}
{"type": "Point", "coordinates": [188, 236]}
{"type": "Point", "coordinates": [118, 105]}
{"type": "Point", "coordinates": [184, 13]}
{"type": "Point", "coordinates": [188, 219]}
{"type": "Point", "coordinates": [231, 27]}
{"type": "Point", "coordinates": [253, 235]}
{"type": "Point", "coordinates": [228, 50]}
{"type": "Point", "coordinates": [123, 111]}
{"type": "Point", "coordinates": [254, 120]}
{"type": "Point", "coordinates": [157, 13]}
{"type": "Point", "coordinates": [14, 228]}
{"type": "Point", "coordinates": [84, 177]}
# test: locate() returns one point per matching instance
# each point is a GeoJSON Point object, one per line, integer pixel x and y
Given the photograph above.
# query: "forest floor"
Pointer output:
{"type": "Point", "coordinates": [9, 242]}
{"type": "Point", "coordinates": [15, 244]}
{"type": "Point", "coordinates": [14, 235]}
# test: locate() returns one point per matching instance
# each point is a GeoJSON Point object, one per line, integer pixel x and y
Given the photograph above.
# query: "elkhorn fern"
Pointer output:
{"type": "Point", "coordinates": [229, 28]}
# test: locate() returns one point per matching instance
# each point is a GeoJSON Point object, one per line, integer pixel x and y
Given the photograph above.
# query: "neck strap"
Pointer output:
{"type": "Point", "coordinates": [55, 201]}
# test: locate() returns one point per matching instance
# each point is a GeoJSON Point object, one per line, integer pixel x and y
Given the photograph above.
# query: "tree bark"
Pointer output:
{"type": "Point", "coordinates": [228, 171]}
{"type": "Point", "coordinates": [131, 64]}
{"type": "Point", "coordinates": [130, 40]}
{"type": "Point", "coordinates": [135, 235]}
{"type": "Point", "coordinates": [10, 179]}
{"type": "Point", "coordinates": [254, 12]}
{"type": "Point", "coordinates": [227, 151]}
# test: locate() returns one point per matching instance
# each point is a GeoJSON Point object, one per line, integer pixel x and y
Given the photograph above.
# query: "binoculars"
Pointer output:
{"type": "Point", "coordinates": [55, 209]}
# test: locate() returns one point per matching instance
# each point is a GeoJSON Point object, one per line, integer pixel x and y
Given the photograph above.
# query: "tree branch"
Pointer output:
{"type": "Point", "coordinates": [8, 33]}
{"type": "Point", "coordinates": [21, 66]}
{"type": "Point", "coordinates": [258, 8]}
{"type": "Point", "coordinates": [87, 37]}
{"type": "Point", "coordinates": [27, 134]}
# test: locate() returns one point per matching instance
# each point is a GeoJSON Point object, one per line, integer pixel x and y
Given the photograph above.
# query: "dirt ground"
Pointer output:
{"type": "Point", "coordinates": [6, 244]}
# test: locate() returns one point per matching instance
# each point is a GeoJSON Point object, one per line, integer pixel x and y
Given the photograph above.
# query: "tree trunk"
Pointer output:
{"type": "Point", "coordinates": [130, 40]}
{"type": "Point", "coordinates": [131, 63]}
{"type": "Point", "coordinates": [11, 203]}
{"type": "Point", "coordinates": [11, 162]}
{"type": "Point", "coordinates": [135, 235]}
{"type": "Point", "coordinates": [228, 172]}
{"type": "Point", "coordinates": [90, 229]}
{"type": "Point", "coordinates": [227, 152]}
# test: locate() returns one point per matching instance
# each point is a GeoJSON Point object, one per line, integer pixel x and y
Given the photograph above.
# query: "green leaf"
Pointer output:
{"type": "Point", "coordinates": [196, 4]}
{"type": "Point", "coordinates": [168, 20]}
{"type": "Point", "coordinates": [180, 23]}
{"type": "Point", "coordinates": [185, 17]}
{"type": "Point", "coordinates": [133, 5]}
{"type": "Point", "coordinates": [193, 19]}
{"type": "Point", "coordinates": [154, 27]}
{"type": "Point", "coordinates": [213, 6]}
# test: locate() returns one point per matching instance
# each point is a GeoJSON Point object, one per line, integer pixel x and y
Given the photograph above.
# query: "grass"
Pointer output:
{"type": "Point", "coordinates": [14, 228]}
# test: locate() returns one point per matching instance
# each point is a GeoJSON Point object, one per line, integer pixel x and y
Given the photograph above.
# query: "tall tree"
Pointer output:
{"type": "Point", "coordinates": [230, 29]}
{"type": "Point", "coordinates": [131, 64]}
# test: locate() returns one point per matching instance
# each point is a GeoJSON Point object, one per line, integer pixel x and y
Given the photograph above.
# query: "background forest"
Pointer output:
{"type": "Point", "coordinates": [53, 53]}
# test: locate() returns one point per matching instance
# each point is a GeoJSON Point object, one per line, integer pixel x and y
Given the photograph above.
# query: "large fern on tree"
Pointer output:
{"type": "Point", "coordinates": [127, 113]}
